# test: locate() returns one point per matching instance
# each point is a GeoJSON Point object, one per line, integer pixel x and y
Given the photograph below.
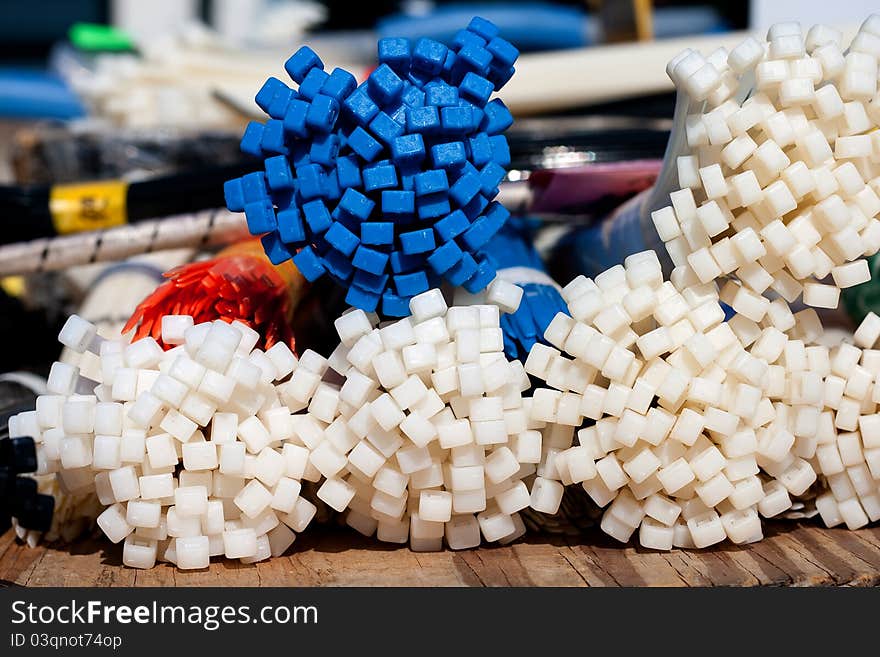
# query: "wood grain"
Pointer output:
{"type": "Point", "coordinates": [792, 554]}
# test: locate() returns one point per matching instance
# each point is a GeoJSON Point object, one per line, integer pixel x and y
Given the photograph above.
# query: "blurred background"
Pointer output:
{"type": "Point", "coordinates": [120, 120]}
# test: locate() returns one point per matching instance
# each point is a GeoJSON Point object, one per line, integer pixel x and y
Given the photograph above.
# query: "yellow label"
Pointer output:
{"type": "Point", "coordinates": [13, 285]}
{"type": "Point", "coordinates": [88, 206]}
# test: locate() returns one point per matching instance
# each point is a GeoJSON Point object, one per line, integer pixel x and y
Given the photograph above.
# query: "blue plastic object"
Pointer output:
{"type": "Point", "coordinates": [456, 120]}
{"type": "Point", "coordinates": [448, 155]}
{"type": "Point", "coordinates": [364, 145]}
{"type": "Point", "coordinates": [417, 241]}
{"type": "Point", "coordinates": [37, 95]}
{"type": "Point", "coordinates": [290, 226]}
{"type": "Point", "coordinates": [339, 85]}
{"type": "Point", "coordinates": [485, 274]}
{"type": "Point", "coordinates": [423, 119]}
{"type": "Point", "coordinates": [386, 186]}
{"type": "Point", "coordinates": [379, 177]}
{"type": "Point", "coordinates": [398, 202]}
{"type": "Point", "coordinates": [308, 263]}
{"type": "Point", "coordinates": [433, 206]}
{"type": "Point", "coordinates": [253, 186]}
{"type": "Point", "coordinates": [502, 51]}
{"type": "Point", "coordinates": [409, 285]}
{"type": "Point", "coordinates": [496, 117]}
{"type": "Point", "coordinates": [590, 250]}
{"type": "Point", "coordinates": [275, 248]}
{"type": "Point", "coordinates": [432, 181]}
{"type": "Point", "coordinates": [278, 173]}
{"type": "Point", "coordinates": [310, 180]}
{"type": "Point", "coordinates": [529, 25]}
{"type": "Point", "coordinates": [295, 118]}
{"type": "Point", "coordinates": [396, 53]}
{"type": "Point", "coordinates": [341, 238]}
{"type": "Point", "coordinates": [250, 141]}
{"type": "Point", "coordinates": [301, 62]}
{"type": "Point", "coordinates": [491, 176]}
{"type": "Point", "coordinates": [356, 204]}
{"type": "Point", "coordinates": [260, 217]}
{"type": "Point", "coordinates": [441, 95]}
{"type": "Point", "coordinates": [483, 28]}
{"type": "Point", "coordinates": [465, 188]}
{"type": "Point", "coordinates": [380, 233]}
{"type": "Point", "coordinates": [362, 299]}
{"type": "Point", "coordinates": [233, 193]}
{"type": "Point", "coordinates": [278, 106]}
{"type": "Point", "coordinates": [412, 96]}
{"type": "Point", "coordinates": [476, 206]}
{"type": "Point", "coordinates": [429, 56]}
{"type": "Point", "coordinates": [408, 149]}
{"type": "Point", "coordinates": [445, 257]}
{"type": "Point", "coordinates": [385, 128]}
{"type": "Point", "coordinates": [476, 89]}
{"type": "Point", "coordinates": [500, 150]}
{"type": "Point", "coordinates": [338, 264]}
{"type": "Point", "coordinates": [322, 113]}
{"type": "Point", "coordinates": [370, 260]}
{"type": "Point", "coordinates": [311, 85]}
{"type": "Point", "coordinates": [401, 262]}
{"type": "Point", "coordinates": [324, 150]}
{"type": "Point", "coordinates": [375, 283]}
{"type": "Point", "coordinates": [463, 270]}
{"type": "Point", "coordinates": [394, 305]}
{"type": "Point", "coordinates": [273, 137]}
{"type": "Point", "coordinates": [360, 107]}
{"type": "Point", "coordinates": [451, 226]}
{"type": "Point", "coordinates": [512, 246]}
{"type": "Point", "coordinates": [384, 85]}
{"type": "Point", "coordinates": [348, 172]}
{"type": "Point", "coordinates": [472, 58]}
{"type": "Point", "coordinates": [317, 217]}
{"type": "Point", "coordinates": [267, 93]}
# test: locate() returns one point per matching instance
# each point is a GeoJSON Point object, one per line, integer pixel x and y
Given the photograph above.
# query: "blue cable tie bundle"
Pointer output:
{"type": "Point", "coordinates": [387, 186]}
{"type": "Point", "coordinates": [512, 254]}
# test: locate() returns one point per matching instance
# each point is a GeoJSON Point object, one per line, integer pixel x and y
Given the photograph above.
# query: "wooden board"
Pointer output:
{"type": "Point", "coordinates": [792, 554]}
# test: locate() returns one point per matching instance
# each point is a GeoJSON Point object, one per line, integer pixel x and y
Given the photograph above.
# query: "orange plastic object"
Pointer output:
{"type": "Point", "coordinates": [238, 284]}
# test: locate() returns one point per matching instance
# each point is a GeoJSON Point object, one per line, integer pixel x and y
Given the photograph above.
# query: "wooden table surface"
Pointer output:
{"type": "Point", "coordinates": [792, 553]}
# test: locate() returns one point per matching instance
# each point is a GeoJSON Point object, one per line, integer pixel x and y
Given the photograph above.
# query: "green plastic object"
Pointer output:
{"type": "Point", "coordinates": [94, 37]}
{"type": "Point", "coordinates": [861, 299]}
